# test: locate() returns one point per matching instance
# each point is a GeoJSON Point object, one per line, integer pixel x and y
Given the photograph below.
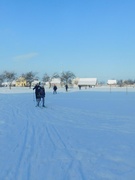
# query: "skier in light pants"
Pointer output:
{"type": "Point", "coordinates": [37, 93]}
{"type": "Point", "coordinates": [42, 93]}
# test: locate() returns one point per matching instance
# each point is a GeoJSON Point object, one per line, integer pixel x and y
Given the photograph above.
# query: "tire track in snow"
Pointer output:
{"type": "Point", "coordinates": [60, 145]}
{"type": "Point", "coordinates": [11, 134]}
{"type": "Point", "coordinates": [22, 151]}
{"type": "Point", "coordinates": [19, 150]}
{"type": "Point", "coordinates": [32, 147]}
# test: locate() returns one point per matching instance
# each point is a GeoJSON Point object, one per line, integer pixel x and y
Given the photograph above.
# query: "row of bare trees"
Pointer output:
{"type": "Point", "coordinates": [125, 82]}
{"type": "Point", "coordinates": [65, 77]}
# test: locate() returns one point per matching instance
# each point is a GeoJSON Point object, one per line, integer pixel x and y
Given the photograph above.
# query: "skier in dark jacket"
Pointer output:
{"type": "Point", "coordinates": [66, 86]}
{"type": "Point", "coordinates": [37, 93]}
{"type": "Point", "coordinates": [54, 89]}
{"type": "Point", "coordinates": [42, 94]}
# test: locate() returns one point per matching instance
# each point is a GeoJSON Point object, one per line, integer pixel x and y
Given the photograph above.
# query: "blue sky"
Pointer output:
{"type": "Point", "coordinates": [91, 38]}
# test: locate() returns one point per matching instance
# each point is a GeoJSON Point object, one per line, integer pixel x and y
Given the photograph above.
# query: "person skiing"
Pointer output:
{"type": "Point", "coordinates": [66, 86]}
{"type": "Point", "coordinates": [42, 94]}
{"type": "Point", "coordinates": [54, 89]}
{"type": "Point", "coordinates": [37, 93]}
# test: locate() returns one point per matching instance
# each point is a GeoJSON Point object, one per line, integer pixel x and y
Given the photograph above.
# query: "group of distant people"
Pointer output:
{"type": "Point", "coordinates": [55, 88]}
{"type": "Point", "coordinates": [40, 93]}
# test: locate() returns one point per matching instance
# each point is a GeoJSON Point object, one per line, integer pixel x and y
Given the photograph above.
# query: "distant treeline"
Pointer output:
{"type": "Point", "coordinates": [65, 77]}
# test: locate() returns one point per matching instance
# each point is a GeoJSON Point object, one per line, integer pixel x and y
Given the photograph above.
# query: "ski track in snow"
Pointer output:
{"type": "Point", "coordinates": [68, 139]}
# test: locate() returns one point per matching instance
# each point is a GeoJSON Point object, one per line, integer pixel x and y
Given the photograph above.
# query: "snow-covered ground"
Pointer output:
{"type": "Point", "coordinates": [81, 135]}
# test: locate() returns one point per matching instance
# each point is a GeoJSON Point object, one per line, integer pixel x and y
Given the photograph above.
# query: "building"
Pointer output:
{"type": "Point", "coordinates": [5, 84]}
{"type": "Point", "coordinates": [75, 82]}
{"type": "Point", "coordinates": [13, 83]}
{"type": "Point", "coordinates": [36, 81]}
{"type": "Point", "coordinates": [111, 82]}
{"type": "Point", "coordinates": [21, 82]}
{"type": "Point", "coordinates": [55, 81]}
{"type": "Point", "coordinates": [87, 82]}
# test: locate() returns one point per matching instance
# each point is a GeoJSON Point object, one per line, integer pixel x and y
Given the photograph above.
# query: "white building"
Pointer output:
{"type": "Point", "coordinates": [36, 81]}
{"type": "Point", "coordinates": [13, 83]}
{"type": "Point", "coordinates": [5, 84]}
{"type": "Point", "coordinates": [111, 82]}
{"type": "Point", "coordinates": [55, 81]}
{"type": "Point", "coordinates": [87, 82]}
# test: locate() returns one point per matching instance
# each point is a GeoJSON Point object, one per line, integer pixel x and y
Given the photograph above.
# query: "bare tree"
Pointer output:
{"type": "Point", "coordinates": [29, 76]}
{"type": "Point", "coordinates": [120, 83]}
{"type": "Point", "coordinates": [46, 78]}
{"type": "Point", "coordinates": [1, 79]}
{"type": "Point", "coordinates": [67, 77]}
{"type": "Point", "coordinates": [129, 82]}
{"type": "Point", "coordinates": [55, 75]}
{"type": "Point", "coordinates": [9, 77]}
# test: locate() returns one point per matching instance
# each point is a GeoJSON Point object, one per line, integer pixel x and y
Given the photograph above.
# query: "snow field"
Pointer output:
{"type": "Point", "coordinates": [81, 135]}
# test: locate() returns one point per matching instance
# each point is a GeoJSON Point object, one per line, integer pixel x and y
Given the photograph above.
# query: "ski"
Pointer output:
{"type": "Point", "coordinates": [41, 107]}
